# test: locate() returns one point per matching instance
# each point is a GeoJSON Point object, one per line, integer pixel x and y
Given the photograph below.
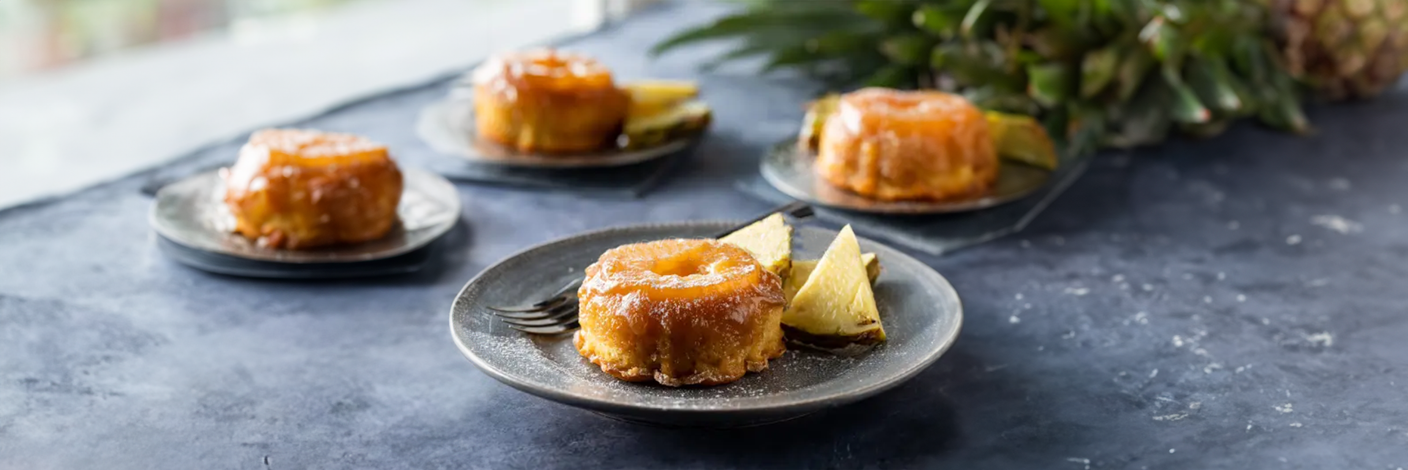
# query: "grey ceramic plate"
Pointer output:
{"type": "Point", "coordinates": [920, 310]}
{"type": "Point", "coordinates": [792, 171]}
{"type": "Point", "coordinates": [448, 127]}
{"type": "Point", "coordinates": [191, 213]}
{"type": "Point", "coordinates": [403, 263]}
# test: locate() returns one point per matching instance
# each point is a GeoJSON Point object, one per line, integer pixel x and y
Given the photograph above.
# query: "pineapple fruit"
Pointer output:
{"type": "Point", "coordinates": [769, 241]}
{"type": "Point", "coordinates": [1343, 48]}
{"type": "Point", "coordinates": [1094, 73]}
{"type": "Point", "coordinates": [802, 270]}
{"type": "Point", "coordinates": [835, 307]}
{"type": "Point", "coordinates": [662, 109]}
{"type": "Point", "coordinates": [830, 301]}
{"type": "Point", "coordinates": [1021, 139]}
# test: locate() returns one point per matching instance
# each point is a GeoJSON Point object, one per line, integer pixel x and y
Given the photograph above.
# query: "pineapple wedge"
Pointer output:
{"type": "Point", "coordinates": [836, 306]}
{"type": "Point", "coordinates": [655, 129]}
{"type": "Point", "coordinates": [769, 241]}
{"type": "Point", "coordinates": [650, 97]}
{"type": "Point", "coordinates": [1021, 139]}
{"type": "Point", "coordinates": [817, 112]}
{"type": "Point", "coordinates": [802, 269]}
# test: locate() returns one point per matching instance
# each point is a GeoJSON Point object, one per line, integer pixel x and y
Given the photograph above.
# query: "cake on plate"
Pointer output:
{"type": "Point", "coordinates": [680, 312]}
{"type": "Point", "coordinates": [299, 189]}
{"type": "Point", "coordinates": [891, 145]}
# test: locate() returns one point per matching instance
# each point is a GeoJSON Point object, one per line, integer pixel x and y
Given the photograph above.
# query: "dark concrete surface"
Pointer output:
{"type": "Point", "coordinates": [1231, 303]}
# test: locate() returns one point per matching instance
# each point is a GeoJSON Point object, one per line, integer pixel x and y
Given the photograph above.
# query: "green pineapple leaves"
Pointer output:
{"type": "Point", "coordinates": [1096, 72]}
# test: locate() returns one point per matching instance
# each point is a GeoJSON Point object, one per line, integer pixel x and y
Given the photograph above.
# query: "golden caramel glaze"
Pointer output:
{"type": "Point", "coordinates": [548, 101]}
{"type": "Point", "coordinates": [681, 312]}
{"type": "Point", "coordinates": [300, 189]}
{"type": "Point", "coordinates": [896, 145]}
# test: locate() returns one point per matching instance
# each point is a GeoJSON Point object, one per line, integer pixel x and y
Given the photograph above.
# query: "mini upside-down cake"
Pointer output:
{"type": "Point", "coordinates": [300, 189]}
{"type": "Point", "coordinates": [680, 312]}
{"type": "Point", "coordinates": [888, 144]}
{"type": "Point", "coordinates": [548, 101]}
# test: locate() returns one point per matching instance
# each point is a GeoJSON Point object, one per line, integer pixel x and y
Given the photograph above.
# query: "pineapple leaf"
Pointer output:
{"type": "Point", "coordinates": [936, 20]}
{"type": "Point", "coordinates": [1213, 86]}
{"type": "Point", "coordinates": [909, 49]}
{"type": "Point", "coordinates": [1133, 69]}
{"type": "Point", "coordinates": [970, 19]}
{"type": "Point", "coordinates": [1098, 69]}
{"type": "Point", "coordinates": [891, 76]}
{"type": "Point", "coordinates": [1163, 40]}
{"type": "Point", "coordinates": [1186, 107]}
{"type": "Point", "coordinates": [1050, 84]}
{"type": "Point", "coordinates": [1113, 72]}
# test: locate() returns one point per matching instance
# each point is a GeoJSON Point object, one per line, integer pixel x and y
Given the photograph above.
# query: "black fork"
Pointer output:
{"type": "Point", "coordinates": [558, 313]}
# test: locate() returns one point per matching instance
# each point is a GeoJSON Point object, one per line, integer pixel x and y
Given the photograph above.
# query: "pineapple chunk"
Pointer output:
{"type": "Point", "coordinates": [650, 97]}
{"type": "Point", "coordinates": [1022, 139]}
{"type": "Point", "coordinates": [817, 112]}
{"type": "Point", "coordinates": [836, 305]}
{"type": "Point", "coordinates": [769, 241]}
{"type": "Point", "coordinates": [802, 269]}
{"type": "Point", "coordinates": [655, 129]}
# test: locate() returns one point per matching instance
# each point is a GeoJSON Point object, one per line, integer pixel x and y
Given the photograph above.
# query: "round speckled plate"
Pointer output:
{"type": "Point", "coordinates": [448, 127]}
{"type": "Point", "coordinates": [191, 213]}
{"type": "Point", "coordinates": [920, 310]}
{"type": "Point", "coordinates": [792, 171]}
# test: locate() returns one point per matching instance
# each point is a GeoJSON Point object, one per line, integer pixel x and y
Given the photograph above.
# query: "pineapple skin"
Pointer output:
{"type": "Point", "coordinates": [1345, 49]}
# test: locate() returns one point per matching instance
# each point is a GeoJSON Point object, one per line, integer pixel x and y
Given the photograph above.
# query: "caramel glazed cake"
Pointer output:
{"type": "Point", "coordinates": [300, 189]}
{"type": "Point", "coordinates": [680, 312]}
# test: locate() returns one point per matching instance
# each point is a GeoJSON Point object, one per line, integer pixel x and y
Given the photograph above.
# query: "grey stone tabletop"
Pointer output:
{"type": "Point", "coordinates": [1229, 303]}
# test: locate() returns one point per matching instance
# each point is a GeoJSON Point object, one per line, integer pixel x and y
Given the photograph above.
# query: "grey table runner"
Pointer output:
{"type": "Point", "coordinates": [1231, 303]}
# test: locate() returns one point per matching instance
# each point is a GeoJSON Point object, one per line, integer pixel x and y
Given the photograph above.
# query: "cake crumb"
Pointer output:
{"type": "Point", "coordinates": [1338, 224]}
{"type": "Point", "coordinates": [1324, 339]}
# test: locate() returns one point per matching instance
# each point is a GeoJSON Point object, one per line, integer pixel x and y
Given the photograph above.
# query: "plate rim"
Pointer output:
{"type": "Point", "coordinates": [433, 113]}
{"type": "Point", "coordinates": [160, 227]}
{"type": "Point", "coordinates": [804, 406]}
{"type": "Point", "coordinates": [167, 248]}
{"type": "Point", "coordinates": [887, 207]}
